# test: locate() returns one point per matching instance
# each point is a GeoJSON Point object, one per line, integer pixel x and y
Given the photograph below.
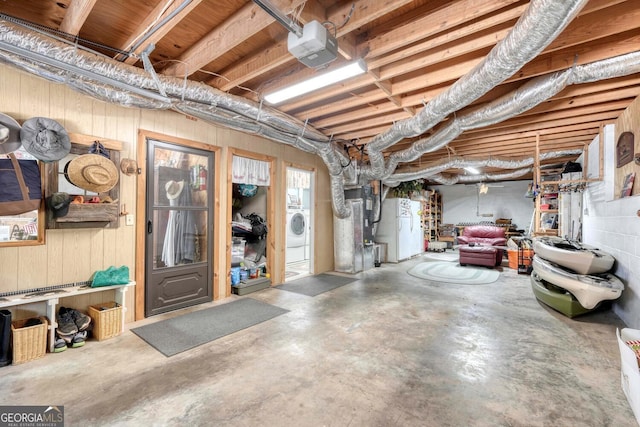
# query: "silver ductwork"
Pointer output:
{"type": "Point", "coordinates": [524, 98]}
{"type": "Point", "coordinates": [115, 82]}
{"type": "Point", "coordinates": [434, 169]}
{"type": "Point", "coordinates": [448, 179]}
{"type": "Point", "coordinates": [540, 24]}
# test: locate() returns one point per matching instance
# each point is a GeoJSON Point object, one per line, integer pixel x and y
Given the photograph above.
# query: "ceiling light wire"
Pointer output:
{"type": "Point", "coordinates": [348, 18]}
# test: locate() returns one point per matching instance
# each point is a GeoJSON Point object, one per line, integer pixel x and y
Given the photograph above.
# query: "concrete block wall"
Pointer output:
{"type": "Point", "coordinates": [614, 226]}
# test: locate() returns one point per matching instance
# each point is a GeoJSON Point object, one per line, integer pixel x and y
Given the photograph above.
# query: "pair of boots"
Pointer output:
{"type": "Point", "coordinates": [72, 329]}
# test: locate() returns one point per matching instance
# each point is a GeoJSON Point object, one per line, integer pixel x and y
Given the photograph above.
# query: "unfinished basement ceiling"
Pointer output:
{"type": "Point", "coordinates": [415, 50]}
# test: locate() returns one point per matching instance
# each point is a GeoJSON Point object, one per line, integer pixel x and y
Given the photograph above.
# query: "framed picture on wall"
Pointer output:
{"type": "Point", "coordinates": [627, 186]}
{"type": "Point", "coordinates": [624, 149]}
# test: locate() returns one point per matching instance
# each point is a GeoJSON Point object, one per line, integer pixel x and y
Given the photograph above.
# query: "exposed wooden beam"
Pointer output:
{"type": "Point", "coordinates": [449, 16]}
{"type": "Point", "coordinates": [550, 127]}
{"type": "Point", "coordinates": [559, 113]}
{"type": "Point", "coordinates": [447, 52]}
{"type": "Point", "coordinates": [364, 12]}
{"type": "Point", "coordinates": [449, 70]}
{"type": "Point", "coordinates": [76, 14]}
{"type": "Point", "coordinates": [572, 95]}
{"type": "Point", "coordinates": [469, 29]}
{"type": "Point", "coordinates": [243, 24]}
{"type": "Point", "coordinates": [447, 24]}
{"type": "Point", "coordinates": [157, 14]}
{"type": "Point", "coordinates": [507, 138]}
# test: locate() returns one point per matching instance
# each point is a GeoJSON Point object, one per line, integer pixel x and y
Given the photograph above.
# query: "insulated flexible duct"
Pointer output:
{"type": "Point", "coordinates": [524, 98]}
{"type": "Point", "coordinates": [131, 86]}
{"type": "Point", "coordinates": [541, 23]}
{"type": "Point", "coordinates": [433, 170]}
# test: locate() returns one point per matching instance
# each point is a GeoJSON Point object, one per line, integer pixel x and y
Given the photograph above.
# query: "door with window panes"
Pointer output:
{"type": "Point", "coordinates": [179, 227]}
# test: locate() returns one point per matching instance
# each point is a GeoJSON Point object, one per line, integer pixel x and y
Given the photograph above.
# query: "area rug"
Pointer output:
{"type": "Point", "coordinates": [443, 256]}
{"type": "Point", "coordinates": [448, 272]}
{"type": "Point", "coordinates": [315, 285]}
{"type": "Point", "coordinates": [173, 336]}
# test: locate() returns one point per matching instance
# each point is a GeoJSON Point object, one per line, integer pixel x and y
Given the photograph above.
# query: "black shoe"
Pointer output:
{"type": "Point", "coordinates": [66, 325]}
{"type": "Point", "coordinates": [32, 322]}
{"type": "Point", "coordinates": [82, 321]}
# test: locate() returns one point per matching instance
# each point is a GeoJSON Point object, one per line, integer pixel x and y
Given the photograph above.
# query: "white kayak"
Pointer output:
{"type": "Point", "coordinates": [589, 290]}
{"type": "Point", "coordinates": [583, 259]}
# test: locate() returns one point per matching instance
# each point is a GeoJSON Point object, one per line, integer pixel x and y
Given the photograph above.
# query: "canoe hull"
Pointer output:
{"type": "Point", "coordinates": [583, 259]}
{"type": "Point", "coordinates": [589, 290]}
{"type": "Point", "coordinates": [561, 301]}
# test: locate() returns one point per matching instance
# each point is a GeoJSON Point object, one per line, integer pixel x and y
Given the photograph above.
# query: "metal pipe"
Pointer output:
{"type": "Point", "coordinates": [287, 22]}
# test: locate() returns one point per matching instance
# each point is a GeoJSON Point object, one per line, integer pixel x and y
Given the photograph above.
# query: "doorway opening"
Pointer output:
{"type": "Point", "coordinates": [299, 224]}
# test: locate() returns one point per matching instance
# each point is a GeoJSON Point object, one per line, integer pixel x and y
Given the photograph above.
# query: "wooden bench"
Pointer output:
{"type": "Point", "coordinates": [52, 297]}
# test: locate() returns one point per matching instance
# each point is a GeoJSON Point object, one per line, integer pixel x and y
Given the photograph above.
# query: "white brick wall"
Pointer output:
{"type": "Point", "coordinates": [613, 226]}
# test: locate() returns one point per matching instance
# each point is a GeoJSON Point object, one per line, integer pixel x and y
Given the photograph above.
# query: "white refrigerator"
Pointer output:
{"type": "Point", "coordinates": [400, 227]}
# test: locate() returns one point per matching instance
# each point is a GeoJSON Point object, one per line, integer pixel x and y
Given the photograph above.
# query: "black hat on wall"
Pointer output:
{"type": "Point", "coordinates": [59, 204]}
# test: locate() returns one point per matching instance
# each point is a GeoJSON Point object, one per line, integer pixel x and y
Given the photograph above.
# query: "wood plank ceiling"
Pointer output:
{"type": "Point", "coordinates": [414, 51]}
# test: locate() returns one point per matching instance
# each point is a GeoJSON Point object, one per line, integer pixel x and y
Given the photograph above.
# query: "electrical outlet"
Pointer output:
{"type": "Point", "coordinates": [128, 219]}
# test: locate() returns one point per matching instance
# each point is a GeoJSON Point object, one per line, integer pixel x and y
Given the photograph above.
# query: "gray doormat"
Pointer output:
{"type": "Point", "coordinates": [315, 285]}
{"type": "Point", "coordinates": [173, 336]}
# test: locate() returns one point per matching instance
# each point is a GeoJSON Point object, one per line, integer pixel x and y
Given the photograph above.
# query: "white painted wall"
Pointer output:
{"type": "Point", "coordinates": [613, 226]}
{"type": "Point", "coordinates": [460, 203]}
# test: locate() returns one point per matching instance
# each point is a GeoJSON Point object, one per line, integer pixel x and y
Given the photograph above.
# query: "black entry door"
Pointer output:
{"type": "Point", "coordinates": [179, 208]}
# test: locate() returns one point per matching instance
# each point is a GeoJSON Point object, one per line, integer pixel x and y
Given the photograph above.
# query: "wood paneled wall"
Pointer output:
{"type": "Point", "coordinates": [74, 255]}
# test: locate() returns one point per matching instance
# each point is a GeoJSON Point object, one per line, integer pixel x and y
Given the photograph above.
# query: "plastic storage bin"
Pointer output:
{"type": "Point", "coordinates": [513, 257]}
{"type": "Point", "coordinates": [237, 251]}
{"type": "Point", "coordinates": [630, 370]}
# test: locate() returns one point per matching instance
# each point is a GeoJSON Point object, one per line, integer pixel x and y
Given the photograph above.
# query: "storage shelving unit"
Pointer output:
{"type": "Point", "coordinates": [431, 214]}
{"type": "Point", "coordinates": [547, 208]}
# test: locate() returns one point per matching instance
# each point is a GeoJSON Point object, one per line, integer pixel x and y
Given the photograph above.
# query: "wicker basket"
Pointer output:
{"type": "Point", "coordinates": [29, 343]}
{"type": "Point", "coordinates": [107, 320]}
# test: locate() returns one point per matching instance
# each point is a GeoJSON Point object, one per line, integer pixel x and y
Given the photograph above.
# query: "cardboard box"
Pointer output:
{"type": "Point", "coordinates": [630, 371]}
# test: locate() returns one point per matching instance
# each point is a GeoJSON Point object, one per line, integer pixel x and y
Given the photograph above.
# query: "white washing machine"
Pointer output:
{"type": "Point", "coordinates": [296, 235]}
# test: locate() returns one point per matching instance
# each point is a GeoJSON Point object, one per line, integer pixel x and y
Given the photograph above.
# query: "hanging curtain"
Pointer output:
{"type": "Point", "coordinates": [249, 171]}
{"type": "Point", "coordinates": [298, 179]}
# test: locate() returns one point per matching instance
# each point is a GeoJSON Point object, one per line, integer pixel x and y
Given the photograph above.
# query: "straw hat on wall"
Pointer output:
{"type": "Point", "coordinates": [92, 172]}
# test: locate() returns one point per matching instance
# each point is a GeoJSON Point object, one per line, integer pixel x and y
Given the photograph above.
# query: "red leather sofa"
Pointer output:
{"type": "Point", "coordinates": [483, 235]}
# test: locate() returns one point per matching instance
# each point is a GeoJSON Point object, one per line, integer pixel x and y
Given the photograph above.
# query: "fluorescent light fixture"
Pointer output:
{"type": "Point", "coordinates": [339, 74]}
{"type": "Point", "coordinates": [472, 170]}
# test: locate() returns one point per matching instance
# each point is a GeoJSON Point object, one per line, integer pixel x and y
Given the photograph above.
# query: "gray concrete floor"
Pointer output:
{"type": "Point", "coordinates": [386, 350]}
